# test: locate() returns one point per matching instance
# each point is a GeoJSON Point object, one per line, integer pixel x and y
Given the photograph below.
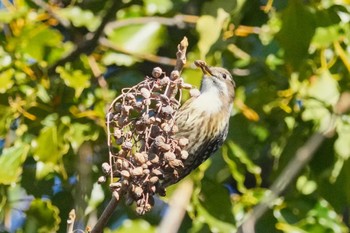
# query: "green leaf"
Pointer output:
{"type": "Point", "coordinates": [298, 28]}
{"type": "Point", "coordinates": [11, 162]}
{"type": "Point", "coordinates": [342, 145]}
{"type": "Point", "coordinates": [42, 217]}
{"type": "Point", "coordinates": [6, 80]}
{"type": "Point", "coordinates": [135, 39]}
{"type": "Point", "coordinates": [209, 29]}
{"type": "Point", "coordinates": [80, 17]}
{"type": "Point", "coordinates": [75, 79]}
{"type": "Point", "coordinates": [80, 133]}
{"type": "Point", "coordinates": [50, 146]}
{"type": "Point", "coordinates": [325, 36]}
{"type": "Point", "coordinates": [322, 93]}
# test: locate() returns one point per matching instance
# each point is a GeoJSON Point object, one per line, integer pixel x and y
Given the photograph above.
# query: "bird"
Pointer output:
{"type": "Point", "coordinates": [204, 119]}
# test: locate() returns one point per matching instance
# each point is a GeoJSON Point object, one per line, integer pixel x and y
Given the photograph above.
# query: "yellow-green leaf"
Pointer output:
{"type": "Point", "coordinates": [11, 162]}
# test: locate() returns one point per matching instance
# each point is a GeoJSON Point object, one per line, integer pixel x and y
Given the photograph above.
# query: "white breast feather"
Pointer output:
{"type": "Point", "coordinates": [208, 101]}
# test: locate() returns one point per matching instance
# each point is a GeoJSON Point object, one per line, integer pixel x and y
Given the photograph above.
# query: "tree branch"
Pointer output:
{"type": "Point", "coordinates": [107, 213]}
{"type": "Point", "coordinates": [177, 208]}
{"type": "Point", "coordinates": [90, 43]}
{"type": "Point", "coordinates": [300, 160]}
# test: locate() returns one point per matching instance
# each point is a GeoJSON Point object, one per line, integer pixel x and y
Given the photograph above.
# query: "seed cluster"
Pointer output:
{"type": "Point", "coordinates": [143, 151]}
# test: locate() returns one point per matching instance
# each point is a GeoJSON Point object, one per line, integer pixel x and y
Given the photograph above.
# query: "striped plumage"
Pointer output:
{"type": "Point", "coordinates": [204, 119]}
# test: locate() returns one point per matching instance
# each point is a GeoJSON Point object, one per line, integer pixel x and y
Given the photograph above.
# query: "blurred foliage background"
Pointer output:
{"type": "Point", "coordinates": [62, 62]}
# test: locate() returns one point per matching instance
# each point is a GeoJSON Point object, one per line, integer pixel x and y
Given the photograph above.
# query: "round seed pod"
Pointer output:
{"type": "Point", "coordinates": [130, 96]}
{"type": "Point", "coordinates": [146, 171]}
{"type": "Point", "coordinates": [183, 142]}
{"type": "Point", "coordinates": [165, 147]}
{"type": "Point", "coordinates": [154, 158]}
{"type": "Point", "coordinates": [157, 172]}
{"type": "Point", "coordinates": [184, 154]}
{"type": "Point", "coordinates": [115, 185]}
{"type": "Point", "coordinates": [139, 158]}
{"type": "Point", "coordinates": [125, 164]}
{"type": "Point", "coordinates": [138, 191]}
{"type": "Point", "coordinates": [176, 163]}
{"type": "Point", "coordinates": [125, 173]}
{"type": "Point", "coordinates": [101, 179]}
{"type": "Point", "coordinates": [174, 129]}
{"type": "Point", "coordinates": [117, 133]}
{"type": "Point", "coordinates": [145, 93]}
{"type": "Point", "coordinates": [164, 81]}
{"type": "Point", "coordinates": [106, 168]}
{"type": "Point", "coordinates": [154, 179]}
{"type": "Point", "coordinates": [169, 156]}
{"type": "Point", "coordinates": [175, 74]}
{"type": "Point", "coordinates": [157, 72]}
{"type": "Point", "coordinates": [166, 127]}
{"type": "Point", "coordinates": [167, 110]}
{"type": "Point", "coordinates": [137, 171]}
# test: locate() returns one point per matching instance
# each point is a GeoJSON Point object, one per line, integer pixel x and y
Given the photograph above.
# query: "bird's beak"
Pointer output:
{"type": "Point", "coordinates": [204, 67]}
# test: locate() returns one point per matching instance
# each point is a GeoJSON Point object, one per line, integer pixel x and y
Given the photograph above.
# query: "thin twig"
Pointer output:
{"type": "Point", "coordinates": [180, 63]}
{"type": "Point", "coordinates": [148, 57]}
{"type": "Point", "coordinates": [181, 55]}
{"type": "Point", "coordinates": [178, 20]}
{"type": "Point", "coordinates": [70, 221]}
{"type": "Point", "coordinates": [65, 23]}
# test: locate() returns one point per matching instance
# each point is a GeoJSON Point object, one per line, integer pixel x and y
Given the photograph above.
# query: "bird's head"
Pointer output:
{"type": "Point", "coordinates": [216, 79]}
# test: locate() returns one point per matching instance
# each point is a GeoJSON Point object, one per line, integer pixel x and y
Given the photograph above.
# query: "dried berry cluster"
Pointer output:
{"type": "Point", "coordinates": [142, 147]}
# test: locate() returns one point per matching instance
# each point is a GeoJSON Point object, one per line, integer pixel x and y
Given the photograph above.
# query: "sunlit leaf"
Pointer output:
{"type": "Point", "coordinates": [6, 80]}
{"type": "Point", "coordinates": [138, 39]}
{"type": "Point", "coordinates": [75, 79]}
{"type": "Point", "coordinates": [11, 161]}
{"type": "Point", "coordinates": [50, 145]}
{"type": "Point", "coordinates": [209, 29]}
{"type": "Point", "coordinates": [342, 145]}
{"type": "Point", "coordinates": [80, 17]}
{"type": "Point", "coordinates": [322, 93]}
{"type": "Point", "coordinates": [80, 133]}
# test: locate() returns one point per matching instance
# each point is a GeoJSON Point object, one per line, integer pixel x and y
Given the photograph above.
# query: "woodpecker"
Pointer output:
{"type": "Point", "coordinates": [204, 119]}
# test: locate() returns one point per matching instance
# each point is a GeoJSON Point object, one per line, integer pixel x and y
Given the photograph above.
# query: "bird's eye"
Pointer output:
{"type": "Point", "coordinates": [224, 76]}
